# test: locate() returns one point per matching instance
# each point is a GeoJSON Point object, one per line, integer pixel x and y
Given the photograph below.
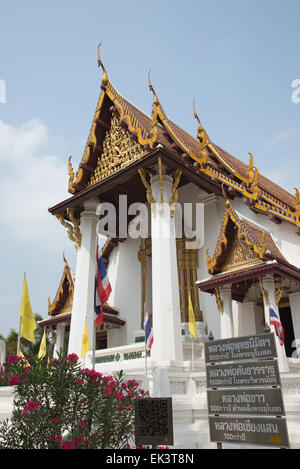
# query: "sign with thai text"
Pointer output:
{"type": "Point", "coordinates": [244, 395]}
{"type": "Point", "coordinates": [253, 431]}
{"type": "Point", "coordinates": [261, 346]}
{"type": "Point", "coordinates": [258, 373]}
{"type": "Point", "coordinates": [246, 401]}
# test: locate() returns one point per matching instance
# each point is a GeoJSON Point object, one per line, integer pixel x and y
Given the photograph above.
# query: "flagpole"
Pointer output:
{"type": "Point", "coordinates": [193, 367]}
{"type": "Point", "coordinates": [146, 370]}
{"type": "Point", "coordinates": [20, 325]}
{"type": "Point", "coordinates": [19, 336]}
{"type": "Point", "coordinates": [94, 345]}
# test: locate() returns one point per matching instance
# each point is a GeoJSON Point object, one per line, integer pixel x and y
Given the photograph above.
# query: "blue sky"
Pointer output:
{"type": "Point", "coordinates": [237, 58]}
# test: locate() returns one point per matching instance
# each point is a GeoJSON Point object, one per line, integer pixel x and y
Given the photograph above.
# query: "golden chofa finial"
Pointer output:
{"type": "Point", "coordinates": [155, 101]}
{"type": "Point", "coordinates": [64, 258]}
{"type": "Point", "coordinates": [202, 136]}
{"type": "Point", "coordinates": [253, 178]}
{"type": "Point", "coordinates": [297, 207]}
{"type": "Point", "coordinates": [100, 64]}
{"type": "Point", "coordinates": [71, 174]}
{"type": "Point", "coordinates": [155, 106]}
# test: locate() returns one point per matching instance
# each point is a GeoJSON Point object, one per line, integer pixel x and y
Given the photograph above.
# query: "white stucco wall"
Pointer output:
{"type": "Point", "coordinates": [124, 272]}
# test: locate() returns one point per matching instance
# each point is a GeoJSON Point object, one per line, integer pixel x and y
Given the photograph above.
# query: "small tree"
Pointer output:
{"type": "Point", "coordinates": [64, 406]}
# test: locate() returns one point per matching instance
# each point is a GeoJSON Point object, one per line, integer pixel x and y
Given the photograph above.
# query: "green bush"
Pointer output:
{"type": "Point", "coordinates": [62, 406]}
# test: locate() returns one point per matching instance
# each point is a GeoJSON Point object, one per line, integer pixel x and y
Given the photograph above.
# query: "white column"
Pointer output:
{"type": "Point", "coordinates": [246, 319]}
{"type": "Point", "coordinates": [167, 344]}
{"type": "Point", "coordinates": [60, 335]}
{"type": "Point", "coordinates": [226, 318]}
{"type": "Point", "coordinates": [83, 302]}
{"type": "Point", "coordinates": [295, 312]}
{"type": "Point", "coordinates": [269, 286]}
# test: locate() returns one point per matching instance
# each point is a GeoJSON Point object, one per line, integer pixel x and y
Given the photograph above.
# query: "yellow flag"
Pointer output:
{"type": "Point", "coordinates": [85, 346]}
{"type": "Point", "coordinates": [28, 321]}
{"type": "Point", "coordinates": [192, 322]}
{"type": "Point", "coordinates": [43, 350]}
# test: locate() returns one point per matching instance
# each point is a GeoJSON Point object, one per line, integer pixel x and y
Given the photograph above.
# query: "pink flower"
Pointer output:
{"type": "Point", "coordinates": [80, 440]}
{"type": "Point", "coordinates": [58, 438]}
{"type": "Point", "coordinates": [55, 420]}
{"type": "Point", "coordinates": [72, 444]}
{"type": "Point", "coordinates": [14, 380]}
{"type": "Point", "coordinates": [82, 424]}
{"type": "Point", "coordinates": [64, 445]}
{"type": "Point", "coordinates": [72, 357]}
{"type": "Point", "coordinates": [78, 381]}
{"type": "Point", "coordinates": [118, 395]}
{"type": "Point", "coordinates": [12, 359]}
{"type": "Point", "coordinates": [30, 406]}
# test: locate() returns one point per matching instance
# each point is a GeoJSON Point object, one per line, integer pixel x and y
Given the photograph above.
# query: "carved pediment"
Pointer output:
{"type": "Point", "coordinates": [238, 252]}
{"type": "Point", "coordinates": [119, 151]}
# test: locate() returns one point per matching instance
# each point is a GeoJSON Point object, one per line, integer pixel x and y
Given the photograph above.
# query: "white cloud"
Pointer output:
{"type": "Point", "coordinates": [285, 134]}
{"type": "Point", "coordinates": [31, 180]}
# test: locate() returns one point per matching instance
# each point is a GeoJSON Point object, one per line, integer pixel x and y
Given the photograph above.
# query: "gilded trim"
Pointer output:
{"type": "Point", "coordinates": [242, 234]}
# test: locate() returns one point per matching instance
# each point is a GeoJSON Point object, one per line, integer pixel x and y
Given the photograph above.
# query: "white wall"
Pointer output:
{"type": "Point", "coordinates": [295, 311]}
{"type": "Point", "coordinates": [124, 272]}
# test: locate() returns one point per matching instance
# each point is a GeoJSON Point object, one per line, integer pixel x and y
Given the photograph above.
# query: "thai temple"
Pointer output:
{"type": "Point", "coordinates": [180, 222]}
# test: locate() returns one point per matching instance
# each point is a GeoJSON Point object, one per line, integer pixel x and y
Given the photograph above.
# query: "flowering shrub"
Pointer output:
{"type": "Point", "coordinates": [61, 406]}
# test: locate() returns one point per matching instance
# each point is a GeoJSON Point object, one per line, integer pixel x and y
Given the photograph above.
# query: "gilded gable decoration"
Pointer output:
{"type": "Point", "coordinates": [240, 243]}
{"type": "Point", "coordinates": [63, 300]}
{"type": "Point", "coordinates": [239, 253]}
{"type": "Point", "coordinates": [119, 150]}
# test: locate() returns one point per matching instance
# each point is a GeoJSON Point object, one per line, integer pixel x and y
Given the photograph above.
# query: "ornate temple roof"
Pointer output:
{"type": "Point", "coordinates": [244, 253]}
{"type": "Point", "coordinates": [60, 309]}
{"type": "Point", "coordinates": [123, 137]}
{"type": "Point", "coordinates": [241, 242]}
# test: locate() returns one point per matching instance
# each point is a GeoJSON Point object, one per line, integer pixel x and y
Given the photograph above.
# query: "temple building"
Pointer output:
{"type": "Point", "coordinates": [191, 222]}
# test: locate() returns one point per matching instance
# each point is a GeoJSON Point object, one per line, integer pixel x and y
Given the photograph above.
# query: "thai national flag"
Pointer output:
{"type": "Point", "coordinates": [275, 321]}
{"type": "Point", "coordinates": [148, 330]}
{"type": "Point", "coordinates": [102, 289]}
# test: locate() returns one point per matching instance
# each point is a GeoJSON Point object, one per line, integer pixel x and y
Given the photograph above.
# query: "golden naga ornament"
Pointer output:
{"type": "Point", "coordinates": [263, 291]}
{"type": "Point", "coordinates": [73, 229]}
{"type": "Point", "coordinates": [279, 292]}
{"type": "Point", "coordinates": [174, 197]}
{"type": "Point", "coordinates": [219, 301]}
{"type": "Point", "coordinates": [147, 185]}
